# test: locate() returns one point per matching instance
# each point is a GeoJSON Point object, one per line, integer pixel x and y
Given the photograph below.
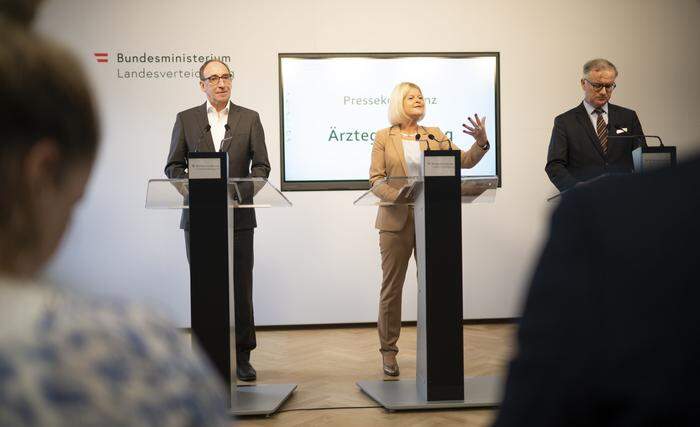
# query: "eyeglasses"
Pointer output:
{"type": "Point", "coordinates": [214, 80]}
{"type": "Point", "coordinates": [598, 86]}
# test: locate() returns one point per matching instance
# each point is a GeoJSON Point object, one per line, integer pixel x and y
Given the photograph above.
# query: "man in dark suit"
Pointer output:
{"type": "Point", "coordinates": [237, 131]}
{"type": "Point", "coordinates": [580, 148]}
{"type": "Point", "coordinates": [610, 334]}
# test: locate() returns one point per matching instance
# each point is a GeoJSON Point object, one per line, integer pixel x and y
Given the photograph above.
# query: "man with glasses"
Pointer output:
{"type": "Point", "coordinates": [220, 125]}
{"type": "Point", "coordinates": [580, 148]}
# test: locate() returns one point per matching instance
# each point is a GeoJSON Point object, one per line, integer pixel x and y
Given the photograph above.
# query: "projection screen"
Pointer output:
{"type": "Point", "coordinates": [332, 104]}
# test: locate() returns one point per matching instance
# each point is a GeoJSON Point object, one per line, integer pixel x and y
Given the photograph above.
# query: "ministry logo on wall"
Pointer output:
{"type": "Point", "coordinates": [156, 66]}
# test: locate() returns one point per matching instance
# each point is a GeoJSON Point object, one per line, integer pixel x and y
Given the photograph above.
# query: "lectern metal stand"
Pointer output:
{"type": "Point", "coordinates": [437, 199]}
{"type": "Point", "coordinates": [212, 199]}
{"type": "Point", "coordinates": [402, 395]}
{"type": "Point", "coordinates": [259, 399]}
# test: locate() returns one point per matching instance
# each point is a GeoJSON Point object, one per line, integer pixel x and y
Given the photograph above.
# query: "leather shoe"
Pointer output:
{"type": "Point", "coordinates": [391, 367]}
{"type": "Point", "coordinates": [245, 371]}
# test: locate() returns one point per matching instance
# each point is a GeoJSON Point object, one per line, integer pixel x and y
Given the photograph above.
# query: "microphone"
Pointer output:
{"type": "Point", "coordinates": [449, 143]}
{"type": "Point", "coordinates": [427, 142]}
{"type": "Point", "coordinates": [201, 136]}
{"type": "Point", "coordinates": [221, 145]}
{"type": "Point", "coordinates": [641, 138]}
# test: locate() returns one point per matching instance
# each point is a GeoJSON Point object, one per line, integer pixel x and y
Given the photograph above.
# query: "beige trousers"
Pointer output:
{"type": "Point", "coordinates": [396, 248]}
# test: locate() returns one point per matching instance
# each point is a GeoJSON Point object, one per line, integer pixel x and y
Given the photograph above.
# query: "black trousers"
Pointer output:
{"type": "Point", "coordinates": [242, 290]}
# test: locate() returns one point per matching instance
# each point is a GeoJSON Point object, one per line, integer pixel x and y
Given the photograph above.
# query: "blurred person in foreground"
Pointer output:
{"type": "Point", "coordinates": [19, 12]}
{"type": "Point", "coordinates": [396, 153]}
{"type": "Point", "coordinates": [610, 331]}
{"type": "Point", "coordinates": [67, 360]}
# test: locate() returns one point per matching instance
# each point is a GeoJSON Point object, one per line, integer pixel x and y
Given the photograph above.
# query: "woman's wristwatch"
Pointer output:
{"type": "Point", "coordinates": [484, 147]}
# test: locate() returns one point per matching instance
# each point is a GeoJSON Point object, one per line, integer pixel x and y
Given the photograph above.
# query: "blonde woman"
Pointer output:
{"type": "Point", "coordinates": [396, 152]}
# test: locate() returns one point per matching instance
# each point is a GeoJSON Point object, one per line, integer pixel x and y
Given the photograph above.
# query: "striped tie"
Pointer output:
{"type": "Point", "coordinates": [602, 130]}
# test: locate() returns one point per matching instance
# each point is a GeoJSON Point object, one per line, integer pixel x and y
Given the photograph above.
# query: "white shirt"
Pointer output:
{"type": "Point", "coordinates": [21, 303]}
{"type": "Point", "coordinates": [411, 152]}
{"type": "Point", "coordinates": [217, 121]}
{"type": "Point", "coordinates": [593, 116]}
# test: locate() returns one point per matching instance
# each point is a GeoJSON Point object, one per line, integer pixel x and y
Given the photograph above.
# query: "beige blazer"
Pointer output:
{"type": "Point", "coordinates": [388, 160]}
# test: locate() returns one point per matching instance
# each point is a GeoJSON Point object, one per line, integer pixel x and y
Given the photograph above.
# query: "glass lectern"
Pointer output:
{"type": "Point", "coordinates": [211, 202]}
{"type": "Point", "coordinates": [437, 200]}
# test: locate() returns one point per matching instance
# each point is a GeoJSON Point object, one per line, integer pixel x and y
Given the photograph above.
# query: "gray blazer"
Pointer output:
{"type": "Point", "coordinates": [247, 154]}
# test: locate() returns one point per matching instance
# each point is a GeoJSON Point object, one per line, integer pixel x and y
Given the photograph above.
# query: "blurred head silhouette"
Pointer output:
{"type": "Point", "coordinates": [48, 142]}
{"type": "Point", "coordinates": [21, 12]}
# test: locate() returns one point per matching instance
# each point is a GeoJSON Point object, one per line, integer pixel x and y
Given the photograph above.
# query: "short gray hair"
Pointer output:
{"type": "Point", "coordinates": [598, 64]}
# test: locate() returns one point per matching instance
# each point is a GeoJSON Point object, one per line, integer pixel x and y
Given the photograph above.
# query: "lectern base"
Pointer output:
{"type": "Point", "coordinates": [402, 395]}
{"type": "Point", "coordinates": [262, 399]}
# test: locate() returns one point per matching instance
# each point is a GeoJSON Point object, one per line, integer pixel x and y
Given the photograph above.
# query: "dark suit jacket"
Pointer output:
{"type": "Point", "coordinates": [575, 154]}
{"type": "Point", "coordinates": [247, 154]}
{"type": "Point", "coordinates": [610, 334]}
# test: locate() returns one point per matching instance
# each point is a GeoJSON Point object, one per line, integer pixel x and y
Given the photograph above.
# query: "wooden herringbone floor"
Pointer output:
{"type": "Point", "coordinates": [326, 364]}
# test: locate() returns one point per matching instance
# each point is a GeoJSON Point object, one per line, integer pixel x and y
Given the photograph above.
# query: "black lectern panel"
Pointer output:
{"type": "Point", "coordinates": [209, 264]}
{"type": "Point", "coordinates": [443, 273]}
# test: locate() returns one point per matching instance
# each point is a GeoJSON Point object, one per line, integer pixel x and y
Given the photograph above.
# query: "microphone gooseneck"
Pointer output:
{"type": "Point", "coordinates": [449, 143]}
{"type": "Point", "coordinates": [206, 129]}
{"type": "Point", "coordinates": [221, 144]}
{"type": "Point", "coordinates": [640, 138]}
{"type": "Point", "coordinates": [427, 142]}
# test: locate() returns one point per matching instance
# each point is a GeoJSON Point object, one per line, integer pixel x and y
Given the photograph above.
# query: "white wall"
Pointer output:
{"type": "Point", "coordinates": [319, 261]}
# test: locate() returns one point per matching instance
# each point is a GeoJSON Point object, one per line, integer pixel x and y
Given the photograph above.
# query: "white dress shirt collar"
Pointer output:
{"type": "Point", "coordinates": [212, 110]}
{"type": "Point", "coordinates": [591, 113]}
{"type": "Point", "coordinates": [217, 120]}
{"type": "Point", "coordinates": [591, 108]}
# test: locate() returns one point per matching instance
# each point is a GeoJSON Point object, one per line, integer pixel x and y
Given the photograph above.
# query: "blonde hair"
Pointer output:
{"type": "Point", "coordinates": [397, 115]}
